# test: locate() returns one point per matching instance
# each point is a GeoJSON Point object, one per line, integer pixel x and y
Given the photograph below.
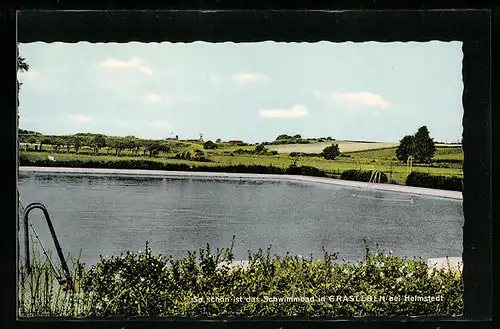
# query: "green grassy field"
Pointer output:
{"type": "Point", "coordinates": [384, 159]}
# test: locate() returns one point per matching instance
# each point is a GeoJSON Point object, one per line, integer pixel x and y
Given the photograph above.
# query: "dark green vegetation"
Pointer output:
{"type": "Point", "coordinates": [331, 152]}
{"type": "Point", "coordinates": [88, 150]}
{"type": "Point", "coordinates": [361, 175]}
{"type": "Point", "coordinates": [143, 284]}
{"type": "Point", "coordinates": [420, 146]}
{"type": "Point", "coordinates": [296, 139]}
{"type": "Point", "coordinates": [437, 182]}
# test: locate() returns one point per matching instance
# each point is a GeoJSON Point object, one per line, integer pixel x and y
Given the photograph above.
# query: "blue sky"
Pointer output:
{"type": "Point", "coordinates": [249, 91]}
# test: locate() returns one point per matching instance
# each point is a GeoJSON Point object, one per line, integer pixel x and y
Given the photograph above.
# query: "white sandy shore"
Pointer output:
{"type": "Point", "coordinates": [162, 173]}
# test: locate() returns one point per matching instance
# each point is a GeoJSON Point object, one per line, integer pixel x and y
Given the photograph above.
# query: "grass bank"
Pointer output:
{"type": "Point", "coordinates": [448, 161]}
{"type": "Point", "coordinates": [144, 284]}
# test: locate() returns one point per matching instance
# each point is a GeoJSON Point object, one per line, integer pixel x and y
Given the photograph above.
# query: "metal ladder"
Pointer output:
{"type": "Point", "coordinates": [27, 210]}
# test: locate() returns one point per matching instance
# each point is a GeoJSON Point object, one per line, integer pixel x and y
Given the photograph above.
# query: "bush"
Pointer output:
{"type": "Point", "coordinates": [138, 284]}
{"type": "Point", "coordinates": [156, 165]}
{"type": "Point", "coordinates": [209, 145]}
{"type": "Point", "coordinates": [302, 154]}
{"type": "Point", "coordinates": [243, 169]}
{"type": "Point", "coordinates": [305, 170]}
{"type": "Point", "coordinates": [113, 164]}
{"type": "Point", "coordinates": [419, 179]}
{"type": "Point", "coordinates": [331, 152]}
{"type": "Point", "coordinates": [361, 175]}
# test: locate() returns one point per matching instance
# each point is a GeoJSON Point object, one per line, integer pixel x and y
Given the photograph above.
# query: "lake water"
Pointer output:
{"type": "Point", "coordinates": [109, 214]}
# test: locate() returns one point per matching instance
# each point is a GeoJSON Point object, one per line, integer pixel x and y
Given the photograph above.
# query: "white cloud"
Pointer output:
{"type": "Point", "coordinates": [169, 99]}
{"type": "Point", "coordinates": [247, 78]}
{"type": "Point", "coordinates": [154, 98]}
{"type": "Point", "coordinates": [80, 118]}
{"type": "Point", "coordinates": [134, 63]}
{"type": "Point", "coordinates": [293, 112]}
{"type": "Point", "coordinates": [354, 100]}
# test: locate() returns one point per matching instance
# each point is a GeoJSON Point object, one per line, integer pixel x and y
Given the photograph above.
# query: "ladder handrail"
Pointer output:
{"type": "Point", "coordinates": [40, 206]}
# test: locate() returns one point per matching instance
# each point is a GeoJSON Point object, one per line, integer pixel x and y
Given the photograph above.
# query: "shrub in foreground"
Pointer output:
{"type": "Point", "coordinates": [144, 284]}
{"type": "Point", "coordinates": [419, 179]}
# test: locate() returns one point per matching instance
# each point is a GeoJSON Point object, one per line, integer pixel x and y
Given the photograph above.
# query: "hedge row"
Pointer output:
{"type": "Point", "coordinates": [155, 165]}
{"type": "Point", "coordinates": [419, 179]}
{"type": "Point", "coordinates": [302, 154]}
{"type": "Point", "coordinates": [361, 175]}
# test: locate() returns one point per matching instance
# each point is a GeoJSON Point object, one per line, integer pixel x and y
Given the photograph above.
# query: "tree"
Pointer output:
{"type": "Point", "coordinates": [97, 142]}
{"type": "Point", "coordinates": [419, 145]}
{"type": "Point", "coordinates": [22, 66]}
{"type": "Point", "coordinates": [297, 136]}
{"type": "Point", "coordinates": [46, 141]}
{"type": "Point", "coordinates": [209, 145]}
{"type": "Point", "coordinates": [425, 148]}
{"type": "Point", "coordinates": [130, 143]}
{"type": "Point", "coordinates": [331, 152]}
{"type": "Point", "coordinates": [406, 148]}
{"type": "Point", "coordinates": [68, 141]}
{"type": "Point", "coordinates": [32, 140]}
{"type": "Point", "coordinates": [218, 140]}
{"type": "Point", "coordinates": [163, 147]}
{"type": "Point", "coordinates": [153, 147]}
{"type": "Point", "coordinates": [77, 143]}
{"type": "Point", "coordinates": [260, 148]}
{"type": "Point", "coordinates": [283, 136]}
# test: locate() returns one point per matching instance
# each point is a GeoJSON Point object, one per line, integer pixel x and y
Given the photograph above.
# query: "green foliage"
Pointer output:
{"type": "Point", "coordinates": [305, 171]}
{"type": "Point", "coordinates": [27, 132]}
{"type": "Point", "coordinates": [361, 175]}
{"type": "Point", "coordinates": [209, 145]}
{"type": "Point", "coordinates": [203, 284]}
{"type": "Point", "coordinates": [42, 293]}
{"type": "Point", "coordinates": [288, 141]}
{"type": "Point", "coordinates": [406, 148]}
{"type": "Point", "coordinates": [431, 181]}
{"type": "Point", "coordinates": [283, 136]}
{"type": "Point", "coordinates": [22, 65]}
{"type": "Point", "coordinates": [425, 147]}
{"type": "Point", "coordinates": [260, 148]}
{"type": "Point", "coordinates": [156, 165]}
{"type": "Point", "coordinates": [331, 152]}
{"type": "Point", "coordinates": [420, 146]}
{"type": "Point", "coordinates": [97, 142]}
{"type": "Point", "coordinates": [302, 154]}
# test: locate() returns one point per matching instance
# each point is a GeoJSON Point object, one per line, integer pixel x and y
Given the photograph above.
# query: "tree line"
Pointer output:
{"type": "Point", "coordinates": [96, 142]}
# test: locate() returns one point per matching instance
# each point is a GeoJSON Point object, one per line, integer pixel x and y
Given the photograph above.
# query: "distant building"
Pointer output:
{"type": "Point", "coordinates": [236, 142]}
